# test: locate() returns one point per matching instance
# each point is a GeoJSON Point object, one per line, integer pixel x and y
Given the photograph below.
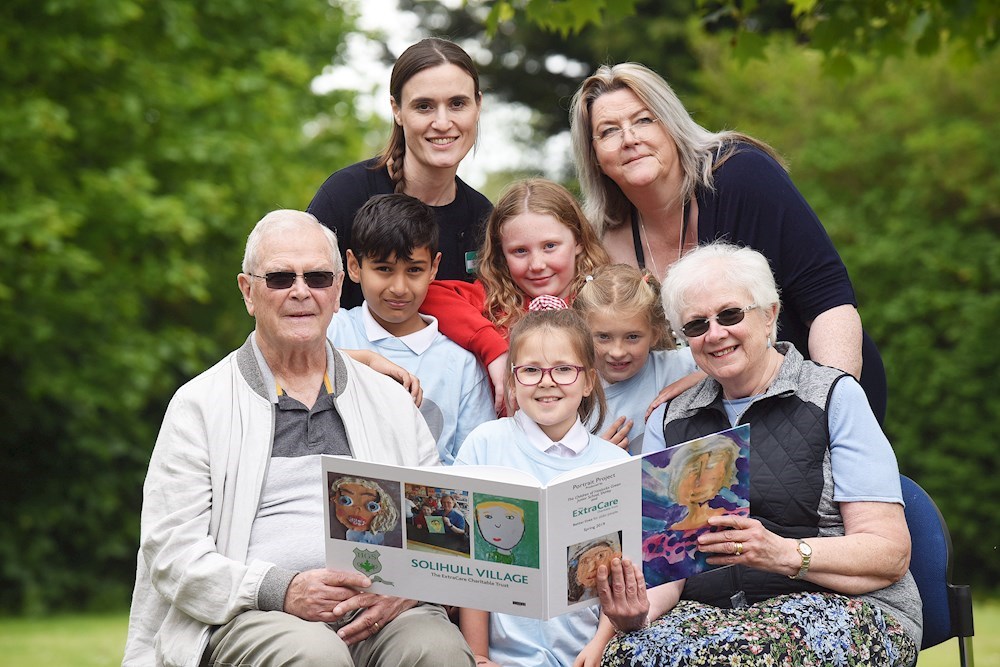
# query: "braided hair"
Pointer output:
{"type": "Point", "coordinates": [426, 53]}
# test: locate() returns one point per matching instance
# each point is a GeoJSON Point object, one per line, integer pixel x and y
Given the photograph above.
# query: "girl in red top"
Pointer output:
{"type": "Point", "coordinates": [537, 244]}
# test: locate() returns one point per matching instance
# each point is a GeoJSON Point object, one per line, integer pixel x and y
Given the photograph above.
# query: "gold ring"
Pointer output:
{"type": "Point", "coordinates": [739, 548]}
{"type": "Point", "coordinates": [376, 626]}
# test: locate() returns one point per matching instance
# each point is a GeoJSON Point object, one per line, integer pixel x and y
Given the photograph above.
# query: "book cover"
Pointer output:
{"type": "Point", "coordinates": [496, 539]}
{"type": "Point", "coordinates": [682, 487]}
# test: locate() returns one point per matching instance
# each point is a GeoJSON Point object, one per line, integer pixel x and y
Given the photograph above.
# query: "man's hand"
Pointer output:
{"type": "Point", "coordinates": [313, 595]}
{"type": "Point", "coordinates": [377, 612]}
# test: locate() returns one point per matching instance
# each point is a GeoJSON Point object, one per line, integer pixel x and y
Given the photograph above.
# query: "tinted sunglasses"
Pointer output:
{"type": "Point", "coordinates": [285, 279]}
{"type": "Point", "coordinates": [727, 318]}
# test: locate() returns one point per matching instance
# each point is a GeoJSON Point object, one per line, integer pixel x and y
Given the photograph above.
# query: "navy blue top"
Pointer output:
{"type": "Point", "coordinates": [460, 223]}
{"type": "Point", "coordinates": [756, 204]}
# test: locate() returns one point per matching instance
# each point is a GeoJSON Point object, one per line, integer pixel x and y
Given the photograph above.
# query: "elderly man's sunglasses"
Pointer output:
{"type": "Point", "coordinates": [727, 318]}
{"type": "Point", "coordinates": [285, 279]}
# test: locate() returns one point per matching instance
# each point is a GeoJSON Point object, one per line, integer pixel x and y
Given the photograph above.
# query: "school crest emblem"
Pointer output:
{"type": "Point", "coordinates": [366, 561]}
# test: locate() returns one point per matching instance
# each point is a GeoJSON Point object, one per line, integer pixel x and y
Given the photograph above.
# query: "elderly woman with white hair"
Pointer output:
{"type": "Point", "coordinates": [819, 570]}
{"type": "Point", "coordinates": [656, 184]}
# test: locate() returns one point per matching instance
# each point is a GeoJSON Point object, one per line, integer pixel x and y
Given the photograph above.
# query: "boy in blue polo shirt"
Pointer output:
{"type": "Point", "coordinates": [394, 257]}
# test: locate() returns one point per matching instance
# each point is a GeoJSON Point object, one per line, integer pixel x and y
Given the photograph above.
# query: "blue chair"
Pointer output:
{"type": "Point", "coordinates": [947, 607]}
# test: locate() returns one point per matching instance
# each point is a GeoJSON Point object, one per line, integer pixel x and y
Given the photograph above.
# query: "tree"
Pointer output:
{"type": "Point", "coordinates": [527, 64]}
{"type": "Point", "coordinates": [536, 52]}
{"type": "Point", "coordinates": [874, 28]}
{"type": "Point", "coordinates": [139, 143]}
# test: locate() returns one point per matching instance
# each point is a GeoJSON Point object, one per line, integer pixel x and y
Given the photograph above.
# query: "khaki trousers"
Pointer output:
{"type": "Point", "coordinates": [419, 637]}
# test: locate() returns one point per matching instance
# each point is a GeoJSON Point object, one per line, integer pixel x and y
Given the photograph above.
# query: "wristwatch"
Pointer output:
{"type": "Point", "coordinates": [806, 552]}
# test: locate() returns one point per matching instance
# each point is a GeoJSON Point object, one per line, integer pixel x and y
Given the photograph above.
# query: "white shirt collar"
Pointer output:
{"type": "Point", "coordinates": [575, 440]}
{"type": "Point", "coordinates": [418, 341]}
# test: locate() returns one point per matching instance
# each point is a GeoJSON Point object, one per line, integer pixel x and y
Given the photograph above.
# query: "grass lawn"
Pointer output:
{"type": "Point", "coordinates": [68, 641]}
{"type": "Point", "coordinates": [97, 641]}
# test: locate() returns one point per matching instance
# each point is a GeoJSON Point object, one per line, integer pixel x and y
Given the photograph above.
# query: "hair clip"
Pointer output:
{"type": "Point", "coordinates": [547, 302]}
{"type": "Point", "coordinates": [589, 278]}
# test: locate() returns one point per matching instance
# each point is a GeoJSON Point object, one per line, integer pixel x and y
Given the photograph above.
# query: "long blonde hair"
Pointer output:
{"type": "Point", "coordinates": [504, 299]}
{"type": "Point", "coordinates": [624, 289]}
{"type": "Point", "coordinates": [700, 151]}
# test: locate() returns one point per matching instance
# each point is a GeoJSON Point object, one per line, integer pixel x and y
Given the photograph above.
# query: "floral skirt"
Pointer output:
{"type": "Point", "coordinates": [816, 629]}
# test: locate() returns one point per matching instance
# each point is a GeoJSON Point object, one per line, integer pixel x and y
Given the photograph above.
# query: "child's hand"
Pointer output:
{"type": "Point", "coordinates": [497, 370]}
{"type": "Point", "coordinates": [591, 655]}
{"type": "Point", "coordinates": [617, 433]}
{"type": "Point", "coordinates": [378, 363]}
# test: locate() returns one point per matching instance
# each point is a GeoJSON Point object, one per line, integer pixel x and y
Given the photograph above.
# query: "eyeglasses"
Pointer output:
{"type": "Point", "coordinates": [285, 279]}
{"type": "Point", "coordinates": [727, 318]}
{"type": "Point", "coordinates": [529, 375]}
{"type": "Point", "coordinates": [611, 138]}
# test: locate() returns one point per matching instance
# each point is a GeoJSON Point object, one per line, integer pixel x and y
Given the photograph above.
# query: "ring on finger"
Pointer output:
{"type": "Point", "coordinates": [376, 626]}
{"type": "Point", "coordinates": [738, 548]}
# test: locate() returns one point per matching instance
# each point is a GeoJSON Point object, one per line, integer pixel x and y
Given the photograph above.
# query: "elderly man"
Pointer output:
{"type": "Point", "coordinates": [231, 563]}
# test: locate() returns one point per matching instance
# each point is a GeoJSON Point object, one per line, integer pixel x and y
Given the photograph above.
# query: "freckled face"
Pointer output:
{"type": "Point", "coordinates": [356, 506]}
{"type": "Point", "coordinates": [500, 526]}
{"type": "Point", "coordinates": [541, 254]}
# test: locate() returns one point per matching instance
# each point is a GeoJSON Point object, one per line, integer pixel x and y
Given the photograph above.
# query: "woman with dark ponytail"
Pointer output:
{"type": "Point", "coordinates": [436, 99]}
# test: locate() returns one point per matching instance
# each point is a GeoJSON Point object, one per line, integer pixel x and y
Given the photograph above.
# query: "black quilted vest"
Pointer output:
{"type": "Point", "coordinates": [789, 446]}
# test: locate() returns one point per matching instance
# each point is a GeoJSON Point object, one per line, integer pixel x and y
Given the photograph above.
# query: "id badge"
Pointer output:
{"type": "Point", "coordinates": [471, 261]}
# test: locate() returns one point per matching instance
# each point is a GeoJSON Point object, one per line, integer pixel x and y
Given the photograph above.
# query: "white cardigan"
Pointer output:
{"type": "Point", "coordinates": [215, 443]}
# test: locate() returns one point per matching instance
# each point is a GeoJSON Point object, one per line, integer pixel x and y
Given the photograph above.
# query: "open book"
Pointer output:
{"type": "Point", "coordinates": [496, 539]}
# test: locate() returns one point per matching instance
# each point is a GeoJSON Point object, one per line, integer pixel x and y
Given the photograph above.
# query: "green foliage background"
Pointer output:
{"type": "Point", "coordinates": [139, 143]}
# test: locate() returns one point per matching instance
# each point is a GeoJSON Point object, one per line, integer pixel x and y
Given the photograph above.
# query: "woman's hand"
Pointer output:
{"type": "Point", "coordinates": [622, 591]}
{"type": "Point", "coordinates": [617, 433]}
{"type": "Point", "coordinates": [378, 363]}
{"type": "Point", "coordinates": [740, 540]}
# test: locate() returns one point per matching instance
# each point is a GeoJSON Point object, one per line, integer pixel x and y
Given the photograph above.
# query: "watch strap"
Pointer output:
{"type": "Point", "coordinates": [806, 555]}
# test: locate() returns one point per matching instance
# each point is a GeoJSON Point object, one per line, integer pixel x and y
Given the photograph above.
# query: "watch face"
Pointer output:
{"type": "Point", "coordinates": [805, 549]}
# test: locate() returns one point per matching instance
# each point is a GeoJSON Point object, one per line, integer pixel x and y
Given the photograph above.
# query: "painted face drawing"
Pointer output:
{"type": "Point", "coordinates": [501, 524]}
{"type": "Point", "coordinates": [356, 506]}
